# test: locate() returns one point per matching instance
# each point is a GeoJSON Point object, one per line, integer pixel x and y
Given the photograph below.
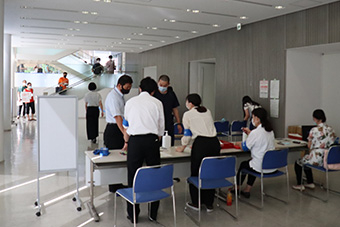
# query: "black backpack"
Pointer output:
{"type": "Point", "coordinates": [97, 68]}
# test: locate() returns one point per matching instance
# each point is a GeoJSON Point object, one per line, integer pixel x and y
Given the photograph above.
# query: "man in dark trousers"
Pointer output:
{"type": "Point", "coordinates": [170, 103]}
{"type": "Point", "coordinates": [144, 123]}
{"type": "Point", "coordinates": [114, 105]}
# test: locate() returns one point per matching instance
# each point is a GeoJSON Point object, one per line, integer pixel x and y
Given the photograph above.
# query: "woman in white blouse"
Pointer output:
{"type": "Point", "coordinates": [199, 126]}
{"type": "Point", "coordinates": [259, 141]}
{"type": "Point", "coordinates": [93, 100]}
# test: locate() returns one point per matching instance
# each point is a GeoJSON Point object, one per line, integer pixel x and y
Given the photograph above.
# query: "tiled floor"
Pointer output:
{"type": "Point", "coordinates": [18, 190]}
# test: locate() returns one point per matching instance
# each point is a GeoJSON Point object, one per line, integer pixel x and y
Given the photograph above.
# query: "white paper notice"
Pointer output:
{"type": "Point", "coordinates": [274, 89]}
{"type": "Point", "coordinates": [264, 89]}
{"type": "Point", "coordinates": [274, 108]}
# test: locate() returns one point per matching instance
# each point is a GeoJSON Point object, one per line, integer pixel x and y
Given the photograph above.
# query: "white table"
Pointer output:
{"type": "Point", "coordinates": [111, 169]}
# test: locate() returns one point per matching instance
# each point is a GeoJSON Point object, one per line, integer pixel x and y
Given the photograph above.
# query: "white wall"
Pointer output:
{"type": "Point", "coordinates": [330, 94]}
{"type": "Point", "coordinates": [303, 87]}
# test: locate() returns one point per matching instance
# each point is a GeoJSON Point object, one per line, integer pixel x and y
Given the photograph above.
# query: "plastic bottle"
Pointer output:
{"type": "Point", "coordinates": [229, 198]}
{"type": "Point", "coordinates": [166, 140]}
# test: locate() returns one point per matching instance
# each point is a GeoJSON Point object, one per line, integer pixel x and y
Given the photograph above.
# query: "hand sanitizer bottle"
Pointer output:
{"type": "Point", "coordinates": [166, 140]}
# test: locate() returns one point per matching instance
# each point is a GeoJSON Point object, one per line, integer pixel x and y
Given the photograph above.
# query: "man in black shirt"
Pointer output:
{"type": "Point", "coordinates": [170, 103]}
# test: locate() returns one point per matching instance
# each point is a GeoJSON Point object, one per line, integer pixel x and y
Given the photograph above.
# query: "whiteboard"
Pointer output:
{"type": "Point", "coordinates": [57, 133]}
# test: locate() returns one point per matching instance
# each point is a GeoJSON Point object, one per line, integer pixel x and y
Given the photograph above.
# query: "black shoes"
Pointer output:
{"type": "Point", "coordinates": [245, 194]}
{"type": "Point", "coordinates": [131, 219]}
{"type": "Point", "coordinates": [94, 140]}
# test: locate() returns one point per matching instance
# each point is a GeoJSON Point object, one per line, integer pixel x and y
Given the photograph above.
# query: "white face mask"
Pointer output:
{"type": "Point", "coordinates": [253, 121]}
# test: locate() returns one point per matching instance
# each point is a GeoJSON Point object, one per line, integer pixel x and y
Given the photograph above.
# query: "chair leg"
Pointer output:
{"type": "Point", "coordinates": [199, 205]}
{"type": "Point", "coordinates": [261, 192]}
{"type": "Point", "coordinates": [302, 171]}
{"type": "Point", "coordinates": [287, 175]}
{"type": "Point", "coordinates": [134, 215]}
{"type": "Point", "coordinates": [327, 183]}
{"type": "Point", "coordinates": [115, 214]}
{"type": "Point", "coordinates": [186, 194]}
{"type": "Point", "coordinates": [236, 199]}
{"type": "Point", "coordinates": [174, 205]}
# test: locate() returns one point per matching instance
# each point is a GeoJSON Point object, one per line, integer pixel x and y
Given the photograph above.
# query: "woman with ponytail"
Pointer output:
{"type": "Point", "coordinates": [199, 126]}
{"type": "Point", "coordinates": [259, 141]}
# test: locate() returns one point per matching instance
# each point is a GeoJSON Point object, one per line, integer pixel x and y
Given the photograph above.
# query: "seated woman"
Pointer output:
{"type": "Point", "coordinates": [259, 141]}
{"type": "Point", "coordinates": [199, 125]}
{"type": "Point", "coordinates": [320, 138]}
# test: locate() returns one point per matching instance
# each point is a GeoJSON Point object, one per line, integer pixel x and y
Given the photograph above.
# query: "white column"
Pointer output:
{"type": "Point", "coordinates": [7, 68]}
{"type": "Point", "coordinates": [1, 79]}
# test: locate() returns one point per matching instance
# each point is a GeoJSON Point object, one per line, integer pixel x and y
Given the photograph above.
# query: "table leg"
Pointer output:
{"type": "Point", "coordinates": [90, 205]}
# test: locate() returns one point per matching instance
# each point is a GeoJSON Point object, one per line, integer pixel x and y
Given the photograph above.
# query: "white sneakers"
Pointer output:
{"type": "Point", "coordinates": [310, 186]}
{"type": "Point", "coordinates": [302, 187]}
{"type": "Point", "coordinates": [298, 187]}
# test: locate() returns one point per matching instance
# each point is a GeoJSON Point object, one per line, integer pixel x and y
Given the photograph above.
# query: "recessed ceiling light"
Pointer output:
{"type": "Point", "coordinates": [162, 41]}
{"type": "Point", "coordinates": [279, 7]}
{"type": "Point", "coordinates": [119, 42]}
{"type": "Point", "coordinates": [150, 45]}
{"type": "Point", "coordinates": [140, 33]}
{"type": "Point", "coordinates": [165, 20]}
{"type": "Point", "coordinates": [243, 18]}
{"type": "Point", "coordinates": [188, 10]}
{"type": "Point", "coordinates": [108, 1]}
{"type": "Point", "coordinates": [85, 12]}
{"type": "Point", "coordinates": [85, 22]}
{"type": "Point", "coordinates": [172, 21]}
{"type": "Point", "coordinates": [195, 11]}
{"type": "Point", "coordinates": [134, 33]}
{"type": "Point", "coordinates": [94, 13]}
{"type": "Point", "coordinates": [177, 37]}
{"type": "Point", "coordinates": [216, 25]}
{"type": "Point", "coordinates": [128, 38]}
{"type": "Point", "coordinates": [194, 32]}
{"type": "Point", "coordinates": [77, 29]}
{"type": "Point", "coordinates": [147, 27]}
{"type": "Point", "coordinates": [154, 28]}
{"type": "Point", "coordinates": [76, 21]}
{"type": "Point", "coordinates": [96, 0]}
{"type": "Point", "coordinates": [141, 48]}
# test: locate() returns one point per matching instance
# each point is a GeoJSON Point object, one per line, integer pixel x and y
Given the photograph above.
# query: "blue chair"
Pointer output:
{"type": "Point", "coordinates": [222, 128]}
{"type": "Point", "coordinates": [273, 159]}
{"type": "Point", "coordinates": [212, 175]}
{"type": "Point", "coordinates": [333, 158]}
{"type": "Point", "coordinates": [236, 128]}
{"type": "Point", "coordinates": [148, 185]}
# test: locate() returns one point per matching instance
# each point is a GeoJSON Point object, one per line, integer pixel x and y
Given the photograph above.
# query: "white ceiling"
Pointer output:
{"type": "Point", "coordinates": [132, 25]}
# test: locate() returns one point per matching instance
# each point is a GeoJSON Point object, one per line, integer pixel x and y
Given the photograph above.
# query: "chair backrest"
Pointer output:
{"type": "Point", "coordinates": [218, 167]}
{"type": "Point", "coordinates": [237, 125]}
{"type": "Point", "coordinates": [153, 178]}
{"type": "Point", "coordinates": [221, 126]}
{"type": "Point", "coordinates": [275, 159]}
{"type": "Point", "coordinates": [176, 129]}
{"type": "Point", "coordinates": [333, 155]}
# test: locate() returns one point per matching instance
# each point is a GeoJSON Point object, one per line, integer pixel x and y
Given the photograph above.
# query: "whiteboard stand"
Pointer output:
{"type": "Point", "coordinates": [57, 140]}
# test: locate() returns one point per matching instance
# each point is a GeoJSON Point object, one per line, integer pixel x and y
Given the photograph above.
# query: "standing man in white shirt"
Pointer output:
{"type": "Point", "coordinates": [144, 123]}
{"type": "Point", "coordinates": [114, 105]}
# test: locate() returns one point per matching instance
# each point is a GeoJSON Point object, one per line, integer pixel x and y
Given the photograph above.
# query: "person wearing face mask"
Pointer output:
{"type": "Point", "coordinates": [63, 83]}
{"type": "Point", "coordinates": [320, 139]}
{"type": "Point", "coordinates": [199, 125]}
{"type": "Point", "coordinates": [30, 104]}
{"type": "Point", "coordinates": [114, 110]}
{"type": "Point", "coordinates": [259, 141]}
{"type": "Point", "coordinates": [21, 105]}
{"type": "Point", "coordinates": [170, 103]}
{"type": "Point", "coordinates": [248, 106]}
{"type": "Point", "coordinates": [97, 68]}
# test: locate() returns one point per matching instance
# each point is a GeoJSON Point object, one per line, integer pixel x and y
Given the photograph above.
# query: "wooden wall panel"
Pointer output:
{"type": "Point", "coordinates": [334, 22]}
{"type": "Point", "coordinates": [295, 29]}
{"type": "Point", "coordinates": [317, 25]}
